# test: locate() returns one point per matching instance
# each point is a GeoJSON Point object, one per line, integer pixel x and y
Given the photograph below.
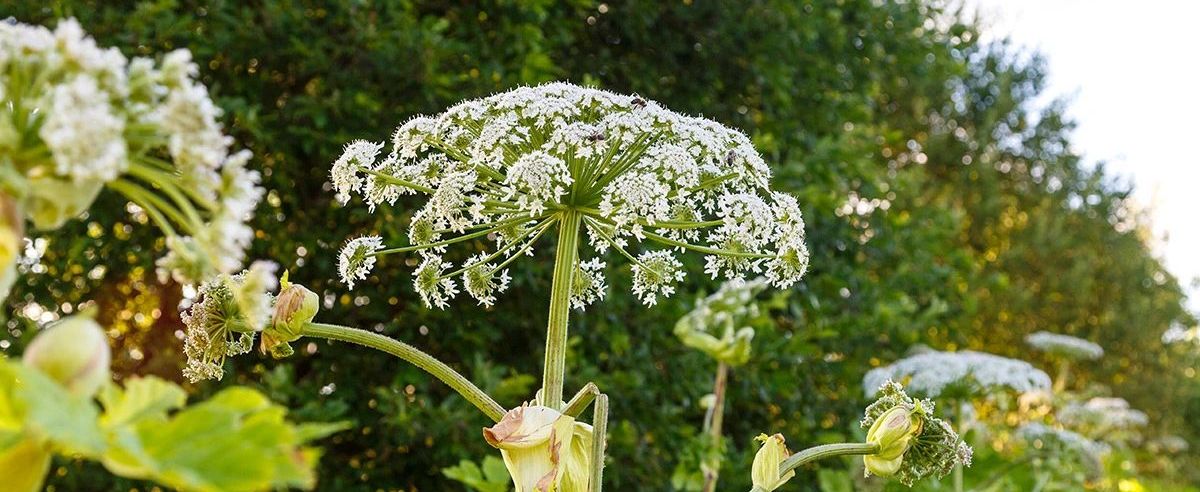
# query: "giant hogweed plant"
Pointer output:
{"type": "Point", "coordinates": [603, 177]}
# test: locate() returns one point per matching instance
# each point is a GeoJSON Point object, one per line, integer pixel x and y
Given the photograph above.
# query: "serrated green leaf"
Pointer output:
{"type": "Point", "coordinates": [236, 441]}
{"type": "Point", "coordinates": [142, 398]}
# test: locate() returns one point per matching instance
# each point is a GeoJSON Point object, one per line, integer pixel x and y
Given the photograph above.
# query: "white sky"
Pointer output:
{"type": "Point", "coordinates": [1133, 72]}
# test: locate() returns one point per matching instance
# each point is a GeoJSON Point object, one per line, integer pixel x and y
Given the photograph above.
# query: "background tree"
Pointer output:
{"type": "Point", "coordinates": [944, 207]}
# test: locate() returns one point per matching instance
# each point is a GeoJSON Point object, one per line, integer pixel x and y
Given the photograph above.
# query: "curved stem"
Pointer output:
{"type": "Point", "coordinates": [827, 451]}
{"type": "Point", "coordinates": [565, 258]}
{"type": "Point", "coordinates": [414, 356]}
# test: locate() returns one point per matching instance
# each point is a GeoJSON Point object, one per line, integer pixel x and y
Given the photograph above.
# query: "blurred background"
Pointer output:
{"type": "Point", "coordinates": [953, 176]}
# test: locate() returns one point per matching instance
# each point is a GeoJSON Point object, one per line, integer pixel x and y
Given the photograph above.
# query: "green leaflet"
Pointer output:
{"type": "Point", "coordinates": [43, 410]}
{"type": "Point", "coordinates": [24, 466]}
{"type": "Point", "coordinates": [491, 477]}
{"type": "Point", "coordinates": [238, 440]}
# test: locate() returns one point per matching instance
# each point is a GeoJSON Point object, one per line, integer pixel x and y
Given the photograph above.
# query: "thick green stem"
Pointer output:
{"type": "Point", "coordinates": [414, 356]}
{"type": "Point", "coordinates": [565, 258]}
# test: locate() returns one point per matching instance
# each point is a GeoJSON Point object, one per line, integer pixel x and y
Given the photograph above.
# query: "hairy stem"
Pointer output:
{"type": "Point", "coordinates": [560, 296]}
{"type": "Point", "coordinates": [414, 356]}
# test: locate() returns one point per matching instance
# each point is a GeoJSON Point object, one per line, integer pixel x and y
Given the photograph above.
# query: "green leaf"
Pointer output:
{"type": "Point", "coordinates": [236, 441]}
{"type": "Point", "coordinates": [142, 398]}
{"type": "Point", "coordinates": [312, 431]}
{"type": "Point", "coordinates": [493, 477]}
{"type": "Point", "coordinates": [24, 466]}
{"type": "Point", "coordinates": [46, 410]}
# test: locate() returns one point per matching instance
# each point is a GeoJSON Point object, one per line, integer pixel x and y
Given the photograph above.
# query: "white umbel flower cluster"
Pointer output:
{"type": "Point", "coordinates": [1065, 346]}
{"type": "Point", "coordinates": [645, 182]}
{"type": "Point", "coordinates": [228, 312]}
{"type": "Point", "coordinates": [931, 374]}
{"type": "Point", "coordinates": [1065, 445]}
{"type": "Point", "coordinates": [1103, 414]}
{"type": "Point", "coordinates": [76, 117]}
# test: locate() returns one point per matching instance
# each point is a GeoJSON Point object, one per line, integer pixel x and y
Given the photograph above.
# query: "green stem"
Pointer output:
{"type": "Point", "coordinates": [414, 356]}
{"type": "Point", "coordinates": [713, 424]}
{"type": "Point", "coordinates": [1064, 372]}
{"type": "Point", "coordinates": [961, 417]}
{"type": "Point", "coordinates": [821, 452]}
{"type": "Point", "coordinates": [565, 258]}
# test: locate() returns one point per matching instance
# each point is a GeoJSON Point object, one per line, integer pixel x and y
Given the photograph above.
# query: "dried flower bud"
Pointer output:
{"type": "Point", "coordinates": [73, 351]}
{"type": "Point", "coordinates": [764, 473]}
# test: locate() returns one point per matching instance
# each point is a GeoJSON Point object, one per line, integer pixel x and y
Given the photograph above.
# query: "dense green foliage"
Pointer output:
{"type": "Point", "coordinates": [943, 208]}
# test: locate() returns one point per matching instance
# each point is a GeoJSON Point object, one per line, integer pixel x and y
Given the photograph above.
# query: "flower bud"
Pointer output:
{"type": "Point", "coordinates": [295, 306]}
{"type": "Point", "coordinates": [764, 473]}
{"type": "Point", "coordinates": [51, 201]}
{"type": "Point", "coordinates": [894, 432]}
{"type": "Point", "coordinates": [73, 351]}
{"type": "Point", "coordinates": [536, 443]}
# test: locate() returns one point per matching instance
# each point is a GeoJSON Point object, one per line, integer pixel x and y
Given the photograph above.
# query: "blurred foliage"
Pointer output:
{"type": "Point", "coordinates": [945, 206]}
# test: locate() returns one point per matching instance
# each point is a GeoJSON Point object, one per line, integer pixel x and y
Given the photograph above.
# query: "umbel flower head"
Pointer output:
{"type": "Point", "coordinates": [716, 325]}
{"type": "Point", "coordinates": [222, 321]}
{"type": "Point", "coordinates": [642, 181]}
{"type": "Point", "coordinates": [76, 118]}
{"type": "Point", "coordinates": [1065, 346]}
{"type": "Point", "coordinates": [1065, 446]}
{"type": "Point", "coordinates": [963, 373]}
{"type": "Point", "coordinates": [913, 443]}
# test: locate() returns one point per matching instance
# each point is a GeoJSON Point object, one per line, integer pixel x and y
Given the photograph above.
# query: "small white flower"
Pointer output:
{"type": "Point", "coordinates": [482, 282]}
{"type": "Point", "coordinates": [83, 132]}
{"type": "Point", "coordinates": [432, 284]}
{"type": "Point", "coordinates": [536, 178]}
{"type": "Point", "coordinates": [658, 277]}
{"type": "Point", "coordinates": [345, 171]}
{"type": "Point", "coordinates": [588, 284]}
{"type": "Point", "coordinates": [356, 259]}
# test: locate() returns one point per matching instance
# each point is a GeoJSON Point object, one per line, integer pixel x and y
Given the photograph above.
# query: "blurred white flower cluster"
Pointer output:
{"type": "Point", "coordinates": [77, 118]}
{"type": "Point", "coordinates": [1063, 444]}
{"type": "Point", "coordinates": [965, 372]}
{"type": "Point", "coordinates": [1101, 415]}
{"type": "Point", "coordinates": [510, 167]}
{"type": "Point", "coordinates": [1065, 346]}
